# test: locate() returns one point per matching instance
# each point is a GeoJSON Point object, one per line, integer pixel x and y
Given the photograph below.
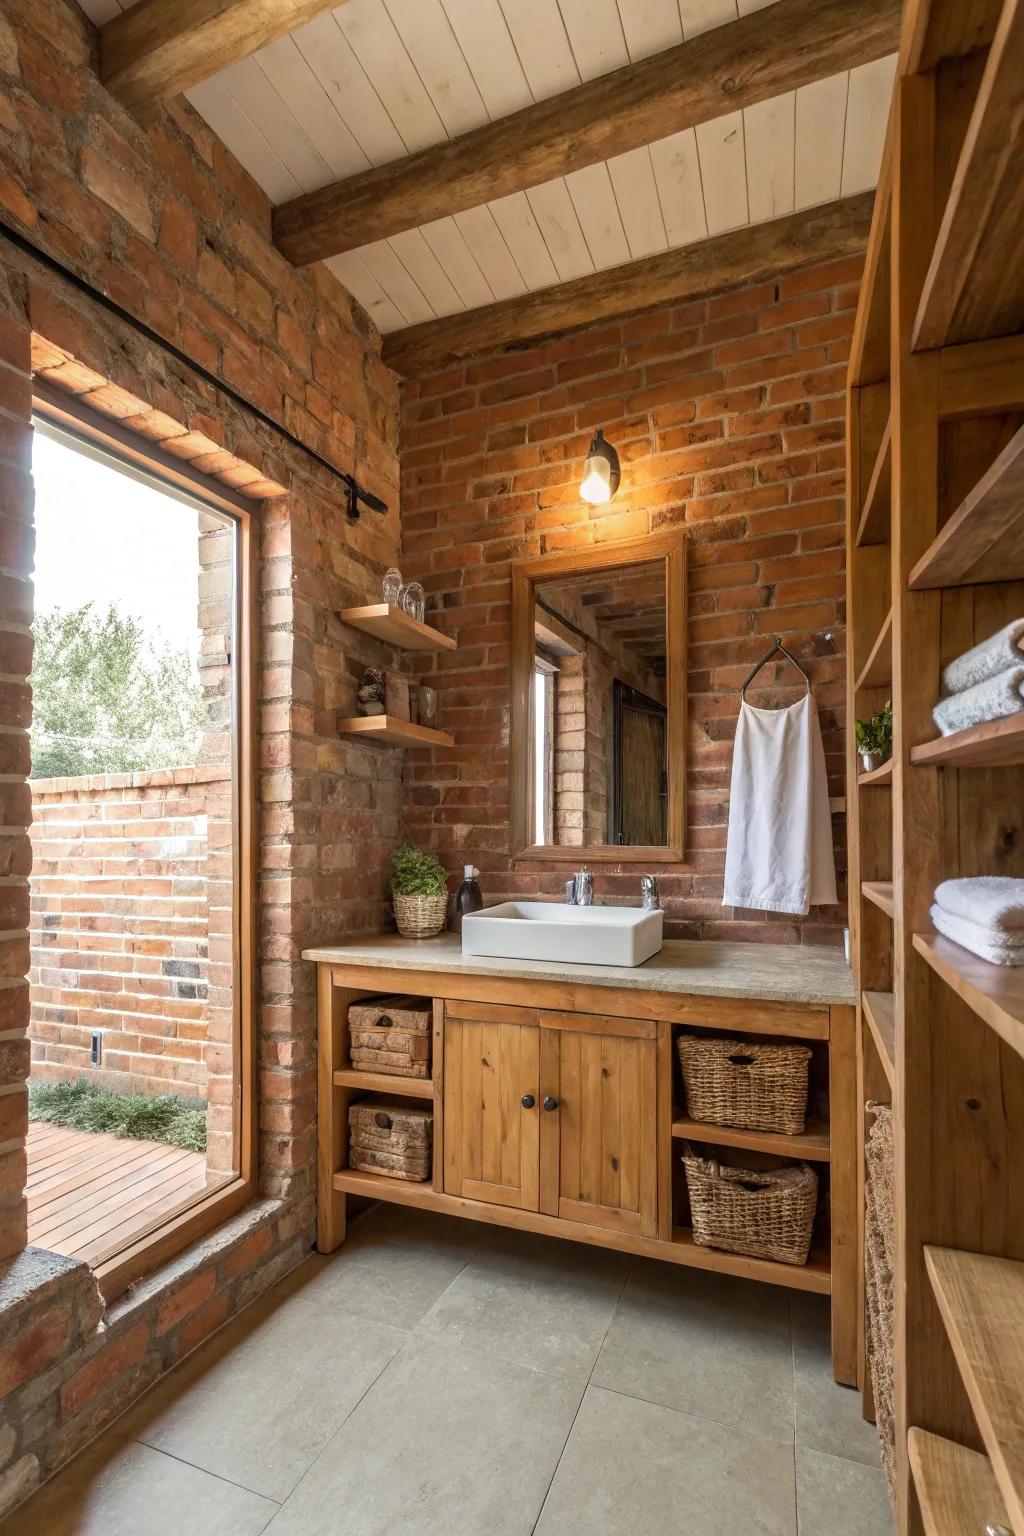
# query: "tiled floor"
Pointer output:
{"type": "Point", "coordinates": [436, 1378]}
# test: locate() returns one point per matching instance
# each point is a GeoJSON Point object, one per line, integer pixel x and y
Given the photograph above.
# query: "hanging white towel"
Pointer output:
{"type": "Point", "coordinates": [779, 853]}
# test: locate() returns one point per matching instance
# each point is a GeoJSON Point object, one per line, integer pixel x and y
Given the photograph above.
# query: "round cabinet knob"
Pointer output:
{"type": "Point", "coordinates": [550, 1103]}
{"type": "Point", "coordinates": [528, 1101]}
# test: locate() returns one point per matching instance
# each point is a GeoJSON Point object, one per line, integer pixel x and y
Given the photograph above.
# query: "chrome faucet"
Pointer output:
{"type": "Point", "coordinates": [650, 899]}
{"type": "Point", "coordinates": [579, 891]}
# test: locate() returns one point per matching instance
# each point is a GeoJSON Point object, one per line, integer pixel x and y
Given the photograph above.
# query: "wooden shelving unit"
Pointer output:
{"type": "Point", "coordinates": [956, 1488]}
{"type": "Point", "coordinates": [984, 539]}
{"type": "Point", "coordinates": [396, 627]}
{"type": "Point", "coordinates": [873, 527]}
{"type": "Point", "coordinates": [383, 1082]}
{"type": "Point", "coordinates": [996, 744]}
{"type": "Point", "coordinates": [877, 670]}
{"type": "Point", "coordinates": [994, 992]}
{"type": "Point", "coordinates": [397, 733]}
{"type": "Point", "coordinates": [880, 1014]}
{"type": "Point", "coordinates": [813, 1144]}
{"type": "Point", "coordinates": [881, 775]}
{"type": "Point", "coordinates": [880, 893]}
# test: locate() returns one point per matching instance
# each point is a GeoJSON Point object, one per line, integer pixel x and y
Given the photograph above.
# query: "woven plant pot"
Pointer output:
{"type": "Point", "coordinates": [420, 917]}
{"type": "Point", "coordinates": [765, 1215]}
{"type": "Point", "coordinates": [740, 1083]}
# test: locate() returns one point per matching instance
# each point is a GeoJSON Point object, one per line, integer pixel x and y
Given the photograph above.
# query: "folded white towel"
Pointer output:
{"type": "Point", "coordinates": [992, 656]}
{"type": "Point", "coordinates": [963, 934]}
{"type": "Point", "coordinates": [990, 901]}
{"type": "Point", "coordinates": [990, 700]}
{"type": "Point", "coordinates": [976, 934]}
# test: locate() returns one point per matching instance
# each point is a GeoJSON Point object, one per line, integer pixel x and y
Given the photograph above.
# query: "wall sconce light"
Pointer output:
{"type": "Point", "coordinates": [600, 472]}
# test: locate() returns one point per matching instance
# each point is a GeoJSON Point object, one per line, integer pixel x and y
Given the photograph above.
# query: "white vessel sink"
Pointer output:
{"type": "Point", "coordinates": [547, 930]}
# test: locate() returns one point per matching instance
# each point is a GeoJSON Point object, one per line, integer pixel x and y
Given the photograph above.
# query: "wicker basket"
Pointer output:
{"type": "Point", "coordinates": [879, 1261]}
{"type": "Point", "coordinates": [766, 1215]}
{"type": "Point", "coordinates": [420, 917]}
{"type": "Point", "coordinates": [391, 1139]}
{"type": "Point", "coordinates": [738, 1082]}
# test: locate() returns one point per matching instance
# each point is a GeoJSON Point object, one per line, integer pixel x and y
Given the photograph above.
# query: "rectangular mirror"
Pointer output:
{"type": "Point", "coordinates": [599, 704]}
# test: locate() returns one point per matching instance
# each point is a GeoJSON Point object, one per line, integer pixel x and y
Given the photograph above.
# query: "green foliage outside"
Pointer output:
{"type": "Point", "coordinates": [415, 873]}
{"type": "Point", "coordinates": [107, 699]}
{"type": "Point", "coordinates": [179, 1122]}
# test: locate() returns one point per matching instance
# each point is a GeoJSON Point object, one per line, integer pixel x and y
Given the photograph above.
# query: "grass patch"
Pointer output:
{"type": "Point", "coordinates": [179, 1122]}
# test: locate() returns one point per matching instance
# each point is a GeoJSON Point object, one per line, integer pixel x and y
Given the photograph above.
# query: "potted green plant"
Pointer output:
{"type": "Point", "coordinates": [419, 892]}
{"type": "Point", "coordinates": [874, 739]}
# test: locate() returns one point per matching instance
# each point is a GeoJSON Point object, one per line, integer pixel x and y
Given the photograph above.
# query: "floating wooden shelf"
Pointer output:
{"type": "Point", "coordinates": [984, 539]}
{"type": "Point", "coordinates": [995, 744]}
{"type": "Point", "coordinates": [880, 1012]}
{"type": "Point", "coordinates": [813, 1144]}
{"type": "Point", "coordinates": [399, 733]}
{"type": "Point", "coordinates": [881, 775]}
{"type": "Point", "coordinates": [396, 627]}
{"type": "Point", "coordinates": [873, 527]}
{"type": "Point", "coordinates": [877, 670]}
{"type": "Point", "coordinates": [382, 1082]}
{"type": "Point", "coordinates": [981, 1300]}
{"type": "Point", "coordinates": [995, 992]}
{"type": "Point", "coordinates": [880, 892]}
{"type": "Point", "coordinates": [956, 1488]}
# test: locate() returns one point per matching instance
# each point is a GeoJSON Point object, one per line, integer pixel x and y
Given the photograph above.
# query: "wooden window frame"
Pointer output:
{"type": "Point", "coordinates": [166, 1237]}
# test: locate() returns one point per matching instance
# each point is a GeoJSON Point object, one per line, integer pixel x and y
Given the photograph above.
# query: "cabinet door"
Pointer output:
{"type": "Point", "coordinates": [491, 1108]}
{"type": "Point", "coordinates": [607, 1143]}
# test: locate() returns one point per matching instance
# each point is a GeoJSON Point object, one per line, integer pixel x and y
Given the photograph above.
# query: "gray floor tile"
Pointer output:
{"type": "Point", "coordinates": [260, 1401]}
{"type": "Point", "coordinates": [447, 1443]}
{"type": "Point", "coordinates": [705, 1344]}
{"type": "Point", "coordinates": [836, 1497]}
{"type": "Point", "coordinates": [828, 1416]}
{"type": "Point", "coordinates": [121, 1488]}
{"type": "Point", "coordinates": [533, 1300]}
{"type": "Point", "coordinates": [636, 1467]}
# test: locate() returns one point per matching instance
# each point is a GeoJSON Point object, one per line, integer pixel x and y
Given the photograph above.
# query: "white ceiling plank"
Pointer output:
{"type": "Point", "coordinates": [100, 12]}
{"type": "Point", "coordinates": [650, 26]}
{"type": "Point", "coordinates": [867, 113]}
{"type": "Point", "coordinates": [312, 108]}
{"type": "Point", "coordinates": [514, 217]}
{"type": "Point", "coordinates": [553, 209]}
{"type": "Point", "coordinates": [245, 141]}
{"type": "Point", "coordinates": [490, 252]}
{"type": "Point", "coordinates": [383, 264]}
{"type": "Point", "coordinates": [457, 261]}
{"type": "Point", "coordinates": [487, 45]}
{"type": "Point", "coordinates": [677, 176]}
{"type": "Point", "coordinates": [595, 35]}
{"type": "Point", "coordinates": [632, 177]}
{"type": "Point", "coordinates": [440, 63]}
{"type": "Point", "coordinates": [702, 15]}
{"type": "Point", "coordinates": [352, 273]}
{"type": "Point", "coordinates": [542, 44]}
{"type": "Point", "coordinates": [820, 128]}
{"type": "Point", "coordinates": [258, 99]}
{"type": "Point", "coordinates": [593, 197]}
{"type": "Point", "coordinates": [723, 172]}
{"type": "Point", "coordinates": [327, 52]}
{"type": "Point", "coordinates": [376, 44]}
{"type": "Point", "coordinates": [426, 272]}
{"type": "Point", "coordinates": [768, 131]}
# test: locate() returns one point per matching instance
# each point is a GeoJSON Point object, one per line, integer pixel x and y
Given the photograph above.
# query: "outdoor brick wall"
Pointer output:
{"type": "Point", "coordinates": [728, 417]}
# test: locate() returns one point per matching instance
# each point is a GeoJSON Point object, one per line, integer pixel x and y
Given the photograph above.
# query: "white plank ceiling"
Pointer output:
{"type": "Point", "coordinates": [375, 80]}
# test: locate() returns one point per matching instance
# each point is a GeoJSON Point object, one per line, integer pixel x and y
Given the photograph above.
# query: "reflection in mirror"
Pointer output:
{"type": "Point", "coordinates": [599, 770]}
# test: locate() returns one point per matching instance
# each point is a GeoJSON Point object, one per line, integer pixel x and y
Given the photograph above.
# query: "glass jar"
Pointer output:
{"type": "Point", "coordinates": [391, 586]}
{"type": "Point", "coordinates": [426, 703]}
{"type": "Point", "coordinates": [414, 600]}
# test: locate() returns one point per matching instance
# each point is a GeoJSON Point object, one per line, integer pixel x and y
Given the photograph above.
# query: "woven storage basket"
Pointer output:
{"type": "Point", "coordinates": [766, 1215]}
{"type": "Point", "coordinates": [390, 1035]}
{"type": "Point", "coordinates": [391, 1139]}
{"type": "Point", "coordinates": [420, 917]}
{"type": "Point", "coordinates": [739, 1082]}
{"type": "Point", "coordinates": [879, 1254]}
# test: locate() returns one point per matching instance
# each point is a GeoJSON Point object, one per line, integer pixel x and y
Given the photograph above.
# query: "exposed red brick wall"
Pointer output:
{"type": "Point", "coordinates": [728, 417]}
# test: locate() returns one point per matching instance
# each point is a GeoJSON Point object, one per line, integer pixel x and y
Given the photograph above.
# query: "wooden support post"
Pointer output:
{"type": "Point", "coordinates": [843, 1110]}
{"type": "Point", "coordinates": [331, 1012]}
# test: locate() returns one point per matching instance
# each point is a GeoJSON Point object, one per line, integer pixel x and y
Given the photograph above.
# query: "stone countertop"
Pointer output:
{"type": "Point", "coordinates": [765, 972]}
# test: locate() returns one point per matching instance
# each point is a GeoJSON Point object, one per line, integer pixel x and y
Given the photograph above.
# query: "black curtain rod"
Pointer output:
{"type": "Point", "coordinates": [356, 492]}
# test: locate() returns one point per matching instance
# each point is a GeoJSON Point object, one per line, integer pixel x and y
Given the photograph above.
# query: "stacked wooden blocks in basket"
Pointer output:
{"type": "Point", "coordinates": [391, 1037]}
{"type": "Point", "coordinates": [393, 1139]}
{"type": "Point", "coordinates": [755, 1087]}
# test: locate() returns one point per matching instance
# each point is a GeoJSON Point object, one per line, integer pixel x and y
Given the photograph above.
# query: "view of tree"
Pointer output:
{"type": "Point", "coordinates": [108, 699]}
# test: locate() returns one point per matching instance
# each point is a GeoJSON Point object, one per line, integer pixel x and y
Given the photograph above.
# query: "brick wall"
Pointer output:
{"type": "Point", "coordinates": [728, 417]}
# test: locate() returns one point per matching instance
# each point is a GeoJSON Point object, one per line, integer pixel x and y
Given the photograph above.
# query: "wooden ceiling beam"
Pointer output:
{"type": "Point", "coordinates": [764, 54]}
{"type": "Point", "coordinates": [748, 255]}
{"type": "Point", "coordinates": [160, 48]}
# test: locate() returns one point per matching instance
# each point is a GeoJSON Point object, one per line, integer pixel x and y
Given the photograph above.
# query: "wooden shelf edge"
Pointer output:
{"type": "Point", "coordinates": [877, 670]}
{"type": "Point", "coordinates": [392, 625]}
{"type": "Point", "coordinates": [837, 805]}
{"type": "Point", "coordinates": [382, 1082]}
{"type": "Point", "coordinates": [956, 1487]}
{"type": "Point", "coordinates": [880, 892]}
{"type": "Point", "coordinates": [874, 524]}
{"type": "Point", "coordinates": [399, 733]}
{"type": "Point", "coordinates": [879, 1010]}
{"type": "Point", "coordinates": [993, 744]}
{"type": "Point", "coordinates": [984, 539]}
{"type": "Point", "coordinates": [994, 992]}
{"type": "Point", "coordinates": [882, 775]}
{"type": "Point", "coordinates": [813, 1144]}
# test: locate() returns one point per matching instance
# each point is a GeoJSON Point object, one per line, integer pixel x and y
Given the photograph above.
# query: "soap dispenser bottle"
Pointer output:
{"type": "Point", "coordinates": [468, 897]}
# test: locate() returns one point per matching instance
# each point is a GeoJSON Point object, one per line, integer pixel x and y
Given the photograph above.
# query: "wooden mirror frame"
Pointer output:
{"type": "Point", "coordinates": [670, 548]}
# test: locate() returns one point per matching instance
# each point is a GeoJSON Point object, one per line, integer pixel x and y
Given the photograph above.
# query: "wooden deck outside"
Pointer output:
{"type": "Point", "coordinates": [89, 1193]}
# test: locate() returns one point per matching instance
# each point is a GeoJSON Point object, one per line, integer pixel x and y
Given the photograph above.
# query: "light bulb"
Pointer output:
{"type": "Point", "coordinates": [596, 484]}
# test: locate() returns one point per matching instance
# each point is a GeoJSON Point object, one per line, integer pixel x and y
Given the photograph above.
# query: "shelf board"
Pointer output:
{"type": "Point", "coordinates": [877, 670]}
{"type": "Point", "coordinates": [383, 1082]}
{"type": "Point", "coordinates": [399, 733]}
{"type": "Point", "coordinates": [994, 744]}
{"type": "Point", "coordinates": [813, 1144]}
{"type": "Point", "coordinates": [956, 1488]}
{"type": "Point", "coordinates": [880, 1012]}
{"type": "Point", "coordinates": [384, 621]}
{"type": "Point", "coordinates": [837, 805]}
{"type": "Point", "coordinates": [817, 1269]}
{"type": "Point", "coordinates": [981, 1299]}
{"type": "Point", "coordinates": [995, 992]}
{"type": "Point", "coordinates": [881, 775]}
{"type": "Point", "coordinates": [874, 524]}
{"type": "Point", "coordinates": [984, 539]}
{"type": "Point", "coordinates": [880, 892]}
